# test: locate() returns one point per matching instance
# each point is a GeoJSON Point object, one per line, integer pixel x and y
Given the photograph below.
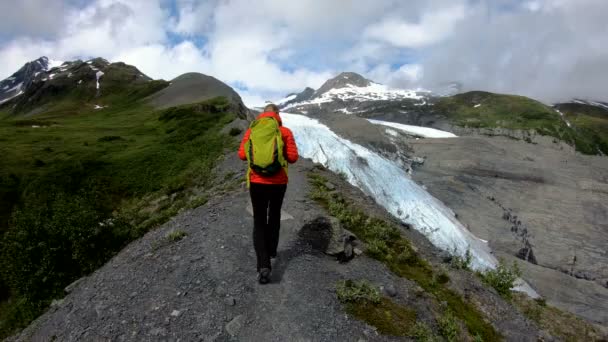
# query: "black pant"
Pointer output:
{"type": "Point", "coordinates": [266, 200]}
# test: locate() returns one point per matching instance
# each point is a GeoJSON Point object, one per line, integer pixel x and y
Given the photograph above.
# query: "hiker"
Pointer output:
{"type": "Point", "coordinates": [268, 147]}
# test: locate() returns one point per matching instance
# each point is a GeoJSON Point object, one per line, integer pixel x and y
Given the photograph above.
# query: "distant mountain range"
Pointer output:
{"type": "Point", "coordinates": [581, 123]}
{"type": "Point", "coordinates": [42, 86]}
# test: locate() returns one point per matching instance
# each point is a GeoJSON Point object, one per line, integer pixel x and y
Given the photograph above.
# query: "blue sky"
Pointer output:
{"type": "Point", "coordinates": [547, 49]}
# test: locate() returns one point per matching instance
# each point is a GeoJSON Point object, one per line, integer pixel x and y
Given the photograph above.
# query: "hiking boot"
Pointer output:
{"type": "Point", "coordinates": [264, 276]}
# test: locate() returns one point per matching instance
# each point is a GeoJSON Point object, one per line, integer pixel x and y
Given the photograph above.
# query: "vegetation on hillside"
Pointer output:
{"type": "Point", "coordinates": [76, 188]}
{"type": "Point", "coordinates": [477, 109]}
{"type": "Point", "coordinates": [591, 125]}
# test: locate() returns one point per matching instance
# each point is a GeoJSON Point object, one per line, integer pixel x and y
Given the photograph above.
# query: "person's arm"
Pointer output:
{"type": "Point", "coordinates": [290, 149]}
{"type": "Point", "coordinates": [242, 154]}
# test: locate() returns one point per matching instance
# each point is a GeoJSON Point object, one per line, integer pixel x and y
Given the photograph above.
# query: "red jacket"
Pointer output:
{"type": "Point", "coordinates": [290, 151]}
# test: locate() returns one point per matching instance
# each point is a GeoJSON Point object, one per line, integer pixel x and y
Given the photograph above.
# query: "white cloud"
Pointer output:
{"type": "Point", "coordinates": [544, 48]}
{"type": "Point", "coordinates": [432, 27]}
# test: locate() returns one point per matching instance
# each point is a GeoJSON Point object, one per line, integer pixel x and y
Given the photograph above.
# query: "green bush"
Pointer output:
{"type": "Point", "coordinates": [350, 291]}
{"type": "Point", "coordinates": [55, 241]}
{"type": "Point", "coordinates": [109, 138]}
{"type": "Point", "coordinates": [461, 262]}
{"type": "Point", "coordinates": [176, 235]}
{"type": "Point", "coordinates": [234, 131]}
{"type": "Point", "coordinates": [448, 327]}
{"type": "Point", "coordinates": [502, 278]}
{"type": "Point", "coordinates": [423, 333]}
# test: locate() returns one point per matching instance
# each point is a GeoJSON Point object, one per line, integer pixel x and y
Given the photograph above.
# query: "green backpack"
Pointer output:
{"type": "Point", "coordinates": [264, 149]}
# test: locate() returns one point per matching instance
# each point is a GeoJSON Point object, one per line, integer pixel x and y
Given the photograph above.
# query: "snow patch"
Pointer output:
{"type": "Point", "coordinates": [53, 64]}
{"type": "Point", "coordinates": [16, 88]}
{"type": "Point", "coordinates": [98, 75]}
{"type": "Point", "coordinates": [343, 110]}
{"type": "Point", "coordinates": [563, 118]}
{"type": "Point", "coordinates": [424, 132]}
{"type": "Point", "coordinates": [286, 99]}
{"type": "Point", "coordinates": [392, 132]}
{"type": "Point", "coordinates": [599, 104]}
{"type": "Point", "coordinates": [69, 75]}
{"type": "Point", "coordinates": [477, 105]}
{"type": "Point", "coordinates": [51, 76]}
{"type": "Point", "coordinates": [401, 196]}
{"type": "Point", "coordinates": [12, 97]}
{"type": "Point", "coordinates": [5, 87]}
{"type": "Point", "coordinates": [373, 92]}
{"type": "Point", "coordinates": [99, 107]}
{"type": "Point", "coordinates": [10, 78]}
{"type": "Point", "coordinates": [79, 81]}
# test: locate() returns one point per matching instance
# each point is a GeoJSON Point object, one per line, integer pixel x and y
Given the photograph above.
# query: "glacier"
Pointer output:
{"type": "Point", "coordinates": [393, 189]}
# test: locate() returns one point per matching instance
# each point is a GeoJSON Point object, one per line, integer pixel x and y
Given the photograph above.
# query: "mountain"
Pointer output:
{"type": "Point", "coordinates": [196, 87]}
{"type": "Point", "coordinates": [590, 120]}
{"type": "Point", "coordinates": [472, 112]}
{"type": "Point", "coordinates": [75, 84]}
{"type": "Point", "coordinates": [22, 79]}
{"type": "Point", "coordinates": [350, 93]}
{"type": "Point", "coordinates": [305, 95]}
{"type": "Point", "coordinates": [78, 86]}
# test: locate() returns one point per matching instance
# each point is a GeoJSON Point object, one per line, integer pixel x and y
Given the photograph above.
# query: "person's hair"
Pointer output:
{"type": "Point", "coordinates": [271, 107]}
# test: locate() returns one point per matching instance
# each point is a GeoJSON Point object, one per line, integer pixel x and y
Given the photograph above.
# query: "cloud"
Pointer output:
{"type": "Point", "coordinates": [432, 27]}
{"type": "Point", "coordinates": [553, 51]}
{"type": "Point", "coordinates": [32, 18]}
{"type": "Point", "coordinates": [549, 49]}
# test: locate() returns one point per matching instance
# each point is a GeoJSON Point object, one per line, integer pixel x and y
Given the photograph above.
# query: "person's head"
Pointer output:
{"type": "Point", "coordinates": [271, 107]}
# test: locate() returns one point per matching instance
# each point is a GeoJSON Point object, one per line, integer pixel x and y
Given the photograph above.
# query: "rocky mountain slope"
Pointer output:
{"type": "Point", "coordinates": [14, 85]}
{"type": "Point", "coordinates": [474, 112]}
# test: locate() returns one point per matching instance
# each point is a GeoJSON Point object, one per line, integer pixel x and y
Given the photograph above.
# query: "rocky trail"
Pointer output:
{"type": "Point", "coordinates": [203, 287]}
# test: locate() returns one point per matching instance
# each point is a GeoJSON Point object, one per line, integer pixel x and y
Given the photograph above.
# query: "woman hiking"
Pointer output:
{"type": "Point", "coordinates": [268, 147]}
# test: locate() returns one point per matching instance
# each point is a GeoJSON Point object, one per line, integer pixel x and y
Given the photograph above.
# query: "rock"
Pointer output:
{"type": "Point", "coordinates": [527, 254]}
{"type": "Point", "coordinates": [330, 186]}
{"type": "Point", "coordinates": [175, 313]}
{"type": "Point", "coordinates": [357, 251]}
{"type": "Point", "coordinates": [446, 257]}
{"type": "Point", "coordinates": [230, 301]}
{"type": "Point", "coordinates": [235, 325]}
{"type": "Point", "coordinates": [335, 244]}
{"type": "Point", "coordinates": [390, 290]}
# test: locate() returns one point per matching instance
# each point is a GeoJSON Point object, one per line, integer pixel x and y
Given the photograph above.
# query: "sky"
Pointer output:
{"type": "Point", "coordinates": [551, 50]}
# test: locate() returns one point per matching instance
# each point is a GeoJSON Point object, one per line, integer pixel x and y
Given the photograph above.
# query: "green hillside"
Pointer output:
{"type": "Point", "coordinates": [77, 184]}
{"type": "Point", "coordinates": [591, 125]}
{"type": "Point", "coordinates": [479, 109]}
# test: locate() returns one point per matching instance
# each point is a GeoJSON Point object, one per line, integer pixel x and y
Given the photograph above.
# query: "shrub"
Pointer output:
{"type": "Point", "coordinates": [176, 235]}
{"type": "Point", "coordinates": [350, 291]}
{"type": "Point", "coordinates": [448, 327]}
{"type": "Point", "coordinates": [234, 131]}
{"type": "Point", "coordinates": [423, 333]}
{"type": "Point", "coordinates": [108, 138]}
{"type": "Point", "coordinates": [502, 278]}
{"type": "Point", "coordinates": [55, 241]}
{"type": "Point", "coordinates": [461, 262]}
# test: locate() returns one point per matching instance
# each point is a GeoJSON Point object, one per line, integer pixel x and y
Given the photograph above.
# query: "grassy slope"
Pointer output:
{"type": "Point", "coordinates": [591, 125]}
{"type": "Point", "coordinates": [510, 112]}
{"type": "Point", "coordinates": [115, 163]}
